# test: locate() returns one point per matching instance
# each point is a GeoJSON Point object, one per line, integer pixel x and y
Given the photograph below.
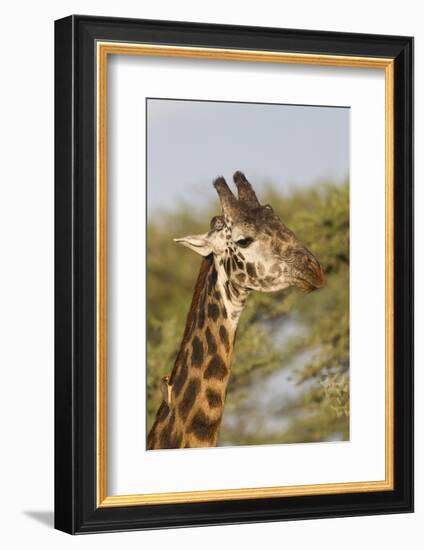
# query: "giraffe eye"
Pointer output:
{"type": "Point", "coordinates": [245, 242]}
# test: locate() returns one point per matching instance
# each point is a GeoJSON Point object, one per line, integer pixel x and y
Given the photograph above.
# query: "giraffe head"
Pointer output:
{"type": "Point", "coordinates": [253, 246]}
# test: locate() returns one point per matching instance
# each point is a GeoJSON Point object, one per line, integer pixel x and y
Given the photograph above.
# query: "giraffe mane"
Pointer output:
{"type": "Point", "coordinates": [191, 316]}
{"type": "Point", "coordinates": [200, 283]}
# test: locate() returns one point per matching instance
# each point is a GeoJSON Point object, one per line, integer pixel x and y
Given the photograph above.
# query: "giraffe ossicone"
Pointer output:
{"type": "Point", "coordinates": [246, 248]}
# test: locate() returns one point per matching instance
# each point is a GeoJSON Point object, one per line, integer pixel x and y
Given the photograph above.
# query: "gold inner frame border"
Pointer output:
{"type": "Point", "coordinates": [103, 50]}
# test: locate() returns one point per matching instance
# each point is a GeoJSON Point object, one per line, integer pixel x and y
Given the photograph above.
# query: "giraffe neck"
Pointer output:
{"type": "Point", "coordinates": [200, 376]}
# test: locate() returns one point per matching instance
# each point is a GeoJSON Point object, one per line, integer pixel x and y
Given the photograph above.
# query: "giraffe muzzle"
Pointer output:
{"type": "Point", "coordinates": [309, 274]}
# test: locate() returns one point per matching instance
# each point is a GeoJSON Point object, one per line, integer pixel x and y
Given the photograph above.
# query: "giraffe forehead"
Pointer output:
{"type": "Point", "coordinates": [258, 224]}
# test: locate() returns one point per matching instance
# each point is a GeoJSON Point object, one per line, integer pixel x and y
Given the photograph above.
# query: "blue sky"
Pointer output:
{"type": "Point", "coordinates": [192, 142]}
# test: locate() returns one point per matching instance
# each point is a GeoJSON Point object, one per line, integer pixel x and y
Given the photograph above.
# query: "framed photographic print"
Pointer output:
{"type": "Point", "coordinates": [234, 269]}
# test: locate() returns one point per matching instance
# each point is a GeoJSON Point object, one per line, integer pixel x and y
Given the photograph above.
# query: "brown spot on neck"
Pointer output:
{"type": "Point", "coordinates": [216, 368]}
{"type": "Point", "coordinates": [197, 352]}
{"type": "Point", "coordinates": [213, 311]}
{"type": "Point", "coordinates": [214, 398]}
{"type": "Point", "coordinates": [212, 348]}
{"type": "Point", "coordinates": [203, 427]}
{"type": "Point", "coordinates": [189, 398]}
{"type": "Point", "coordinates": [223, 334]}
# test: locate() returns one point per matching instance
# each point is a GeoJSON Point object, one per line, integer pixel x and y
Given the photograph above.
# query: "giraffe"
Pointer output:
{"type": "Point", "coordinates": [247, 248]}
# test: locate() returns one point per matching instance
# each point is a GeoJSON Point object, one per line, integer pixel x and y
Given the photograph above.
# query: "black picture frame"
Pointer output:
{"type": "Point", "coordinates": [76, 510]}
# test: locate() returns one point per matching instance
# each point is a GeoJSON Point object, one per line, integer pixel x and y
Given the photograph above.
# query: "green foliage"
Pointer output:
{"type": "Point", "coordinates": [304, 337]}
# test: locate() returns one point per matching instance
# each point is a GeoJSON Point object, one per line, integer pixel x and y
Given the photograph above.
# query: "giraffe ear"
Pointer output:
{"type": "Point", "coordinates": [199, 243]}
